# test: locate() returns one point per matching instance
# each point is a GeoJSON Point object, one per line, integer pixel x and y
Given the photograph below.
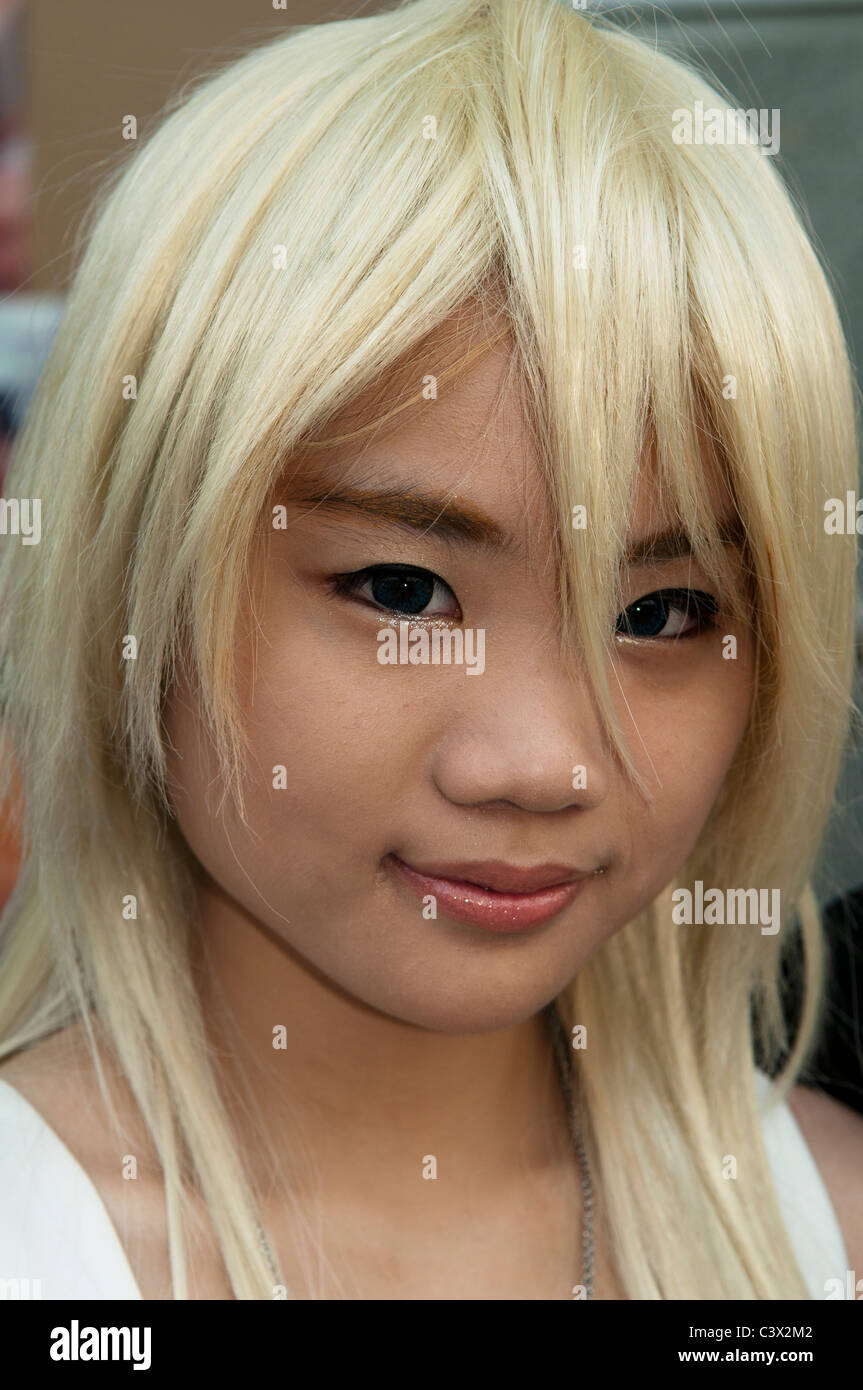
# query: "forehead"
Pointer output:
{"type": "Point", "coordinates": [467, 436]}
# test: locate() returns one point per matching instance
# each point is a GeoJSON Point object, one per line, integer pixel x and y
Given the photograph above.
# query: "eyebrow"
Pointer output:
{"type": "Point", "coordinates": [416, 510]}
{"type": "Point", "coordinates": [675, 543]}
{"type": "Point", "coordinates": [465, 524]}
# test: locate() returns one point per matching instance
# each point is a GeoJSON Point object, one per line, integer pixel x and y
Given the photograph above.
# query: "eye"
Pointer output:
{"type": "Point", "coordinates": [400, 589]}
{"type": "Point", "coordinates": [668, 614]}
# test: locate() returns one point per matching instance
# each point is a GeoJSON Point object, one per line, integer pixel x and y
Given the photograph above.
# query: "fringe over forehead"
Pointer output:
{"type": "Point", "coordinates": [306, 216]}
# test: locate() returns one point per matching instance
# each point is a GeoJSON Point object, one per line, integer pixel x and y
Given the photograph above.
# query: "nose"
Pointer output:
{"type": "Point", "coordinates": [525, 733]}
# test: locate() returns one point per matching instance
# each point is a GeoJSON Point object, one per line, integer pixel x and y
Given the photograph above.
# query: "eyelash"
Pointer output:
{"type": "Point", "coordinates": [695, 603]}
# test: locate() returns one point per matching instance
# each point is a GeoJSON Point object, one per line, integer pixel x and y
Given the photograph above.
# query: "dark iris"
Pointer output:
{"type": "Point", "coordinates": [648, 616]}
{"type": "Point", "coordinates": [402, 591]}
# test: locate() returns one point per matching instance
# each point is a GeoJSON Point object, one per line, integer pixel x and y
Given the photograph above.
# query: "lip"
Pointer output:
{"type": "Point", "coordinates": [509, 899]}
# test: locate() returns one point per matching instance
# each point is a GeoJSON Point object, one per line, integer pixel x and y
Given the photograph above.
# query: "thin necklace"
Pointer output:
{"type": "Point", "coordinates": [565, 1072]}
{"type": "Point", "coordinates": [563, 1056]}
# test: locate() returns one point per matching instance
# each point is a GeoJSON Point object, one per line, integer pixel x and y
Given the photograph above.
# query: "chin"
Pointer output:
{"type": "Point", "coordinates": [454, 1008]}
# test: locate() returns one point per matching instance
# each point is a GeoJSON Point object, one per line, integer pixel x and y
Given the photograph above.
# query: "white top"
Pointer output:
{"type": "Point", "coordinates": [57, 1240]}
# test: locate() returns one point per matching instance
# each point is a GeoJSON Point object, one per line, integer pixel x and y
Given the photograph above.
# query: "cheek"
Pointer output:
{"type": "Point", "coordinates": [341, 729]}
{"type": "Point", "coordinates": [329, 742]}
{"type": "Point", "coordinates": [683, 740]}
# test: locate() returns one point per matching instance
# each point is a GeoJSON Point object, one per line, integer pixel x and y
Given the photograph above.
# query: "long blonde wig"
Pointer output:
{"type": "Point", "coordinates": [300, 220]}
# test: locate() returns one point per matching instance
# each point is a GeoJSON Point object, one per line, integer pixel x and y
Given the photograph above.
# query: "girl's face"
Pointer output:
{"type": "Point", "coordinates": [439, 767]}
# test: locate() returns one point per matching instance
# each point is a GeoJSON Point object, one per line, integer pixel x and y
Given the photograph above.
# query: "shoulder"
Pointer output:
{"type": "Point", "coordinates": [834, 1135]}
{"type": "Point", "coordinates": [58, 1077]}
{"type": "Point", "coordinates": [63, 1197]}
{"type": "Point", "coordinates": [41, 1066]}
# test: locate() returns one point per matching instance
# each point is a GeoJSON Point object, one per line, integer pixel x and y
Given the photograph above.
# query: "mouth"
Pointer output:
{"type": "Point", "coordinates": [500, 897]}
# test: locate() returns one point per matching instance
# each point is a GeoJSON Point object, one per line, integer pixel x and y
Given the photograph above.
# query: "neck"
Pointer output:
{"type": "Point", "coordinates": [347, 1079]}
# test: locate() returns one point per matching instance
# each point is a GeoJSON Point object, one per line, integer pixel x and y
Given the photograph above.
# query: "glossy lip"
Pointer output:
{"type": "Point", "coordinates": [501, 877]}
{"type": "Point", "coordinates": [551, 889]}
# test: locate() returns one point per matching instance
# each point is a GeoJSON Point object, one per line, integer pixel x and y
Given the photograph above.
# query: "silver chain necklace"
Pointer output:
{"type": "Point", "coordinates": [564, 1067]}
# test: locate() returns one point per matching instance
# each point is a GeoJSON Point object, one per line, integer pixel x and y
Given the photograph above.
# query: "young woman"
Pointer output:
{"type": "Point", "coordinates": [428, 692]}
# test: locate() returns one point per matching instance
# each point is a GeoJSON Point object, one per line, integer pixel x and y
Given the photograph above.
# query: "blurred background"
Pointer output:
{"type": "Point", "coordinates": [70, 73]}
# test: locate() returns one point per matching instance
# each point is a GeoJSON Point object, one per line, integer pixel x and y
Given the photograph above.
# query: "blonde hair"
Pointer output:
{"type": "Point", "coordinates": [300, 221]}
